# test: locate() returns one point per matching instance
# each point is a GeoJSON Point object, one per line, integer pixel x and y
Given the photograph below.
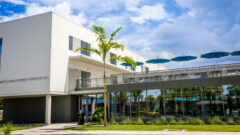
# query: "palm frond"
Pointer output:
{"type": "Point", "coordinates": [116, 45]}
{"type": "Point", "coordinates": [114, 33]}
{"type": "Point", "coordinates": [126, 59]}
{"type": "Point", "coordinates": [92, 50]}
{"type": "Point", "coordinates": [100, 31]}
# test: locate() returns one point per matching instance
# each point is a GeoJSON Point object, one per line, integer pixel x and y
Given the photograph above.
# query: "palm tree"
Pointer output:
{"type": "Point", "coordinates": [235, 89]}
{"type": "Point", "coordinates": [136, 95]}
{"type": "Point", "coordinates": [104, 47]}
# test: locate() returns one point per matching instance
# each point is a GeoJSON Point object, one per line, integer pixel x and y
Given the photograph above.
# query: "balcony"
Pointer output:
{"type": "Point", "coordinates": [163, 75]}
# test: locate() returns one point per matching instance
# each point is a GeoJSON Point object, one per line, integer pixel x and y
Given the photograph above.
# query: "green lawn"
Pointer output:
{"type": "Point", "coordinates": [217, 128]}
{"type": "Point", "coordinates": [14, 128]}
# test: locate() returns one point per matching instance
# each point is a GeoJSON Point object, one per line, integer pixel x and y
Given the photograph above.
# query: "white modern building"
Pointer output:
{"type": "Point", "coordinates": [40, 74]}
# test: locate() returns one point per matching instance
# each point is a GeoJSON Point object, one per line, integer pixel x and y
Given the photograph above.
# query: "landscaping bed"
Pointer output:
{"type": "Point", "coordinates": [212, 128]}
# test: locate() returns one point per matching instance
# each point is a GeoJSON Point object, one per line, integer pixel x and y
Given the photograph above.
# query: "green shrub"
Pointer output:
{"type": "Point", "coordinates": [113, 121]}
{"type": "Point", "coordinates": [195, 121]}
{"type": "Point", "coordinates": [7, 128]}
{"type": "Point", "coordinates": [161, 121]}
{"type": "Point", "coordinates": [238, 110]}
{"type": "Point", "coordinates": [216, 121]}
{"type": "Point", "coordinates": [151, 114]}
{"type": "Point", "coordinates": [138, 121]}
{"type": "Point", "coordinates": [98, 115]}
{"type": "Point", "coordinates": [230, 121]}
{"type": "Point", "coordinates": [126, 121]}
{"type": "Point", "coordinates": [172, 122]}
{"type": "Point", "coordinates": [238, 122]}
{"type": "Point", "coordinates": [181, 122]}
{"type": "Point", "coordinates": [150, 122]}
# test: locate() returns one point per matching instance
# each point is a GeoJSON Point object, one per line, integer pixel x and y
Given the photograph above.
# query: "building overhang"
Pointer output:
{"type": "Point", "coordinates": [87, 91]}
{"type": "Point", "coordinates": [96, 62]}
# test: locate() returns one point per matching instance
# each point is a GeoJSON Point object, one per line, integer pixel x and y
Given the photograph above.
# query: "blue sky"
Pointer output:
{"type": "Point", "coordinates": [153, 28]}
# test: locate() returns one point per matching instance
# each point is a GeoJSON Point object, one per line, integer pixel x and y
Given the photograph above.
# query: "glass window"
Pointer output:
{"type": "Point", "coordinates": [113, 61]}
{"type": "Point", "coordinates": [70, 43]}
{"type": "Point", "coordinates": [85, 44]}
{"type": "Point", "coordinates": [0, 45]}
{"type": "Point", "coordinates": [132, 68]}
{"type": "Point", "coordinates": [146, 69]}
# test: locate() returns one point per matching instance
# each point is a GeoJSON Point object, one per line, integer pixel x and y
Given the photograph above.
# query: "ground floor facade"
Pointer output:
{"type": "Point", "coordinates": [33, 109]}
{"type": "Point", "coordinates": [222, 101]}
{"type": "Point", "coordinates": [210, 101]}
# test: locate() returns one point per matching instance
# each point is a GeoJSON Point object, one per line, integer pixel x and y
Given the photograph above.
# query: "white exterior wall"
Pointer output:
{"type": "Point", "coordinates": [38, 46]}
{"type": "Point", "coordinates": [25, 55]}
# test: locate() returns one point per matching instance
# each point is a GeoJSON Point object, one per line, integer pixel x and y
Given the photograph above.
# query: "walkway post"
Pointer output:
{"type": "Point", "coordinates": [93, 104]}
{"type": "Point", "coordinates": [48, 107]}
{"type": "Point", "coordinates": [202, 101]}
{"type": "Point", "coordinates": [86, 108]}
{"type": "Point", "coordinates": [182, 103]}
{"type": "Point", "coordinates": [108, 104]}
{"type": "Point", "coordinates": [164, 111]}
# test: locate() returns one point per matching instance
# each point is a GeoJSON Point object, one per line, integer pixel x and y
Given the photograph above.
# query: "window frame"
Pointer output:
{"type": "Point", "coordinates": [1, 44]}
{"type": "Point", "coordinates": [88, 45]}
{"type": "Point", "coordinates": [70, 47]}
{"type": "Point", "coordinates": [113, 61]}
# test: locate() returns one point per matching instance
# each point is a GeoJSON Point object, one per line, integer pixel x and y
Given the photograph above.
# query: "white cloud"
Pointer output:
{"type": "Point", "coordinates": [63, 9]}
{"type": "Point", "coordinates": [146, 13]}
{"type": "Point", "coordinates": [191, 13]}
{"type": "Point", "coordinates": [18, 2]}
{"type": "Point", "coordinates": [238, 45]}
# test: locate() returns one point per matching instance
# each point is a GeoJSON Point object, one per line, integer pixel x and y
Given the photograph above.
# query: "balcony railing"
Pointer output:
{"type": "Point", "coordinates": [94, 82]}
{"type": "Point", "coordinates": [164, 75]}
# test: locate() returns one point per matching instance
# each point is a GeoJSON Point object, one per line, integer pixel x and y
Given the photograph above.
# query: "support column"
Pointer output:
{"type": "Point", "coordinates": [182, 102]}
{"type": "Point", "coordinates": [108, 105]}
{"type": "Point", "coordinates": [164, 111]}
{"type": "Point", "coordinates": [202, 99]}
{"type": "Point", "coordinates": [79, 104]}
{"type": "Point", "coordinates": [86, 109]}
{"type": "Point", "coordinates": [93, 104]}
{"type": "Point", "coordinates": [48, 107]}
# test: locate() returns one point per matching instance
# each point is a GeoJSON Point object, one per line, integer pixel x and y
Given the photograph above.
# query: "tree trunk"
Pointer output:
{"type": "Point", "coordinates": [138, 107]}
{"type": "Point", "coordinates": [105, 95]}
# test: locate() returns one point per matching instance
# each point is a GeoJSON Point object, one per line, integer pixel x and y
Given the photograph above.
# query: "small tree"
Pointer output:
{"type": "Point", "coordinates": [104, 47]}
{"type": "Point", "coordinates": [7, 128]}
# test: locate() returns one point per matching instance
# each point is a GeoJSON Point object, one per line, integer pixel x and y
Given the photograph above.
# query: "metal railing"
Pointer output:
{"type": "Point", "coordinates": [164, 75]}
{"type": "Point", "coordinates": [94, 82]}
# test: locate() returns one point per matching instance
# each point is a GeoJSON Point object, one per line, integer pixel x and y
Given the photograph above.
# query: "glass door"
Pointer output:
{"type": "Point", "coordinates": [85, 79]}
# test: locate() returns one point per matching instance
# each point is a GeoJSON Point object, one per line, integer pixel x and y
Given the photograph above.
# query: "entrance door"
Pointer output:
{"type": "Point", "coordinates": [85, 79]}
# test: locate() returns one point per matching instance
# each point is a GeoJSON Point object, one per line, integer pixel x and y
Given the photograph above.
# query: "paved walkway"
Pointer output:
{"type": "Point", "coordinates": [58, 129]}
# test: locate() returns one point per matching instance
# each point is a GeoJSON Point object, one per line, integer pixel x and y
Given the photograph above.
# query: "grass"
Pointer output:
{"type": "Point", "coordinates": [14, 128]}
{"type": "Point", "coordinates": [216, 128]}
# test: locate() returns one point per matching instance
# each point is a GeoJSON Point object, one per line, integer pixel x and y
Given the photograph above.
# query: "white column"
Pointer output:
{"type": "Point", "coordinates": [48, 109]}
{"type": "Point", "coordinates": [93, 105]}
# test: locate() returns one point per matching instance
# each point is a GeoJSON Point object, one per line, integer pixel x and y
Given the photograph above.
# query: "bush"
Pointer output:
{"type": "Point", "coordinates": [126, 121]}
{"type": "Point", "coordinates": [238, 110]}
{"type": "Point", "coordinates": [113, 121]}
{"type": "Point", "coordinates": [150, 122]}
{"type": "Point", "coordinates": [196, 121]}
{"type": "Point", "coordinates": [181, 122]}
{"type": "Point", "coordinates": [98, 115]}
{"type": "Point", "coordinates": [230, 121]}
{"type": "Point", "coordinates": [151, 114]}
{"type": "Point", "coordinates": [161, 121]}
{"type": "Point", "coordinates": [7, 128]}
{"type": "Point", "coordinates": [138, 121]}
{"type": "Point", "coordinates": [172, 122]}
{"type": "Point", "coordinates": [238, 122]}
{"type": "Point", "coordinates": [216, 121]}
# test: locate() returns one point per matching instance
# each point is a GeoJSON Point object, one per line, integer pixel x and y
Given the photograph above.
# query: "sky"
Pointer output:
{"type": "Point", "coordinates": [152, 28]}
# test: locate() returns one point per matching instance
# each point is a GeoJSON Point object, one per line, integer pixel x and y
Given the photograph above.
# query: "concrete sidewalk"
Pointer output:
{"type": "Point", "coordinates": [58, 129]}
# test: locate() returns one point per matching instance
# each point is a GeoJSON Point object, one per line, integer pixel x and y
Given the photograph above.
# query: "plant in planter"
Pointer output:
{"type": "Point", "coordinates": [7, 128]}
{"type": "Point", "coordinates": [98, 115]}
